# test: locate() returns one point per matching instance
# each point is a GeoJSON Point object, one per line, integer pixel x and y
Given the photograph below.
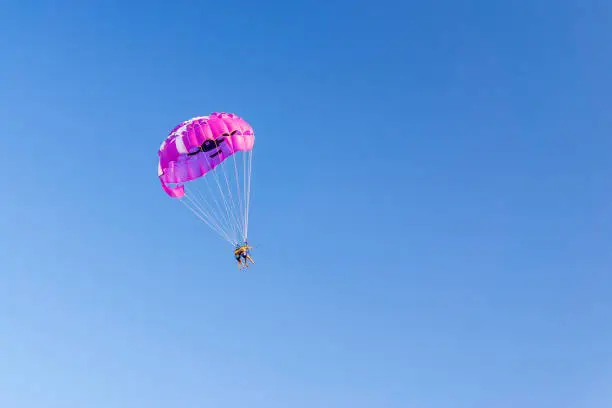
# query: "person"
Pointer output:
{"type": "Point", "coordinates": [241, 253]}
{"type": "Point", "coordinates": [238, 258]}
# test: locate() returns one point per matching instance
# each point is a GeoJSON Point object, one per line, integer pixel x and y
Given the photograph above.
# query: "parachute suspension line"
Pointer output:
{"type": "Point", "coordinates": [201, 217]}
{"type": "Point", "coordinates": [224, 224]}
{"type": "Point", "coordinates": [224, 230]}
{"type": "Point", "coordinates": [199, 197]}
{"type": "Point", "coordinates": [225, 203]}
{"type": "Point", "coordinates": [223, 217]}
{"type": "Point", "coordinates": [232, 202]}
{"type": "Point", "coordinates": [228, 215]}
{"type": "Point", "coordinates": [206, 210]}
{"type": "Point", "coordinates": [238, 192]}
{"type": "Point", "coordinates": [244, 187]}
{"type": "Point", "coordinates": [189, 202]}
{"type": "Point", "coordinates": [248, 194]}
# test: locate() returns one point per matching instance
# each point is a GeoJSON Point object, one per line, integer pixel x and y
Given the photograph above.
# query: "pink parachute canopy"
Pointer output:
{"type": "Point", "coordinates": [197, 146]}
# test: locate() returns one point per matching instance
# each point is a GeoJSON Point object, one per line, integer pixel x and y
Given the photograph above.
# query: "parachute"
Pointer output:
{"type": "Point", "coordinates": [205, 163]}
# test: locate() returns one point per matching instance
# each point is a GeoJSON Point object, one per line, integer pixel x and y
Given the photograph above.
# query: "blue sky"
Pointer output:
{"type": "Point", "coordinates": [449, 247]}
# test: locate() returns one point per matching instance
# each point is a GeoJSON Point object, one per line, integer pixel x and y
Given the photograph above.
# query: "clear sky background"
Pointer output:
{"type": "Point", "coordinates": [449, 247]}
